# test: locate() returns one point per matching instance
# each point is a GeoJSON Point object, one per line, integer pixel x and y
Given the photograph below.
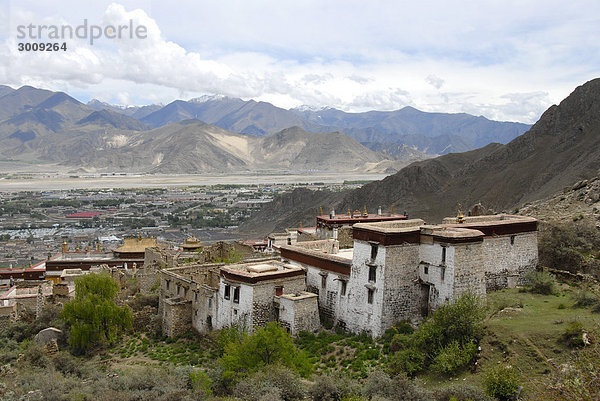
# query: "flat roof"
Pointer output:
{"type": "Point", "coordinates": [260, 271]}
{"type": "Point", "coordinates": [353, 218]}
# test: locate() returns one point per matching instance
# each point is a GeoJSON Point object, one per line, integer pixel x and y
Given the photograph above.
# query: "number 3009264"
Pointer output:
{"type": "Point", "coordinates": [41, 47]}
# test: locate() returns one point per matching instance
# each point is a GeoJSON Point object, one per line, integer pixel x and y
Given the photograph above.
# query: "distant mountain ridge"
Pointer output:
{"type": "Point", "coordinates": [561, 148]}
{"type": "Point", "coordinates": [43, 126]}
{"type": "Point", "coordinates": [429, 133]}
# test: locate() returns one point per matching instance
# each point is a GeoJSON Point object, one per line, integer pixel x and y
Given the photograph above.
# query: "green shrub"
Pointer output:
{"type": "Point", "coordinates": [461, 392]}
{"type": "Point", "coordinates": [274, 380]}
{"type": "Point", "coordinates": [266, 346]}
{"type": "Point", "coordinates": [380, 386]}
{"type": "Point", "coordinates": [408, 361]}
{"type": "Point", "coordinates": [573, 335]}
{"type": "Point", "coordinates": [333, 387]}
{"type": "Point", "coordinates": [201, 382]}
{"type": "Point", "coordinates": [454, 357]}
{"type": "Point", "coordinates": [502, 382]}
{"type": "Point", "coordinates": [541, 282]}
{"type": "Point", "coordinates": [461, 321]}
{"type": "Point", "coordinates": [584, 298]}
{"type": "Point", "coordinates": [399, 342]}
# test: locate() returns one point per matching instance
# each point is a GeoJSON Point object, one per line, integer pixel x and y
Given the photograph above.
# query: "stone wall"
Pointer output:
{"type": "Point", "coordinates": [507, 259]}
{"type": "Point", "coordinates": [358, 315]}
{"type": "Point", "coordinates": [402, 291]}
{"type": "Point", "coordinates": [176, 316]}
{"type": "Point", "coordinates": [299, 312]}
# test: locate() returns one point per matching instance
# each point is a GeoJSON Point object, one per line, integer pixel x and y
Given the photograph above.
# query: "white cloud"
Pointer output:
{"type": "Point", "coordinates": [434, 81]}
{"type": "Point", "coordinates": [506, 61]}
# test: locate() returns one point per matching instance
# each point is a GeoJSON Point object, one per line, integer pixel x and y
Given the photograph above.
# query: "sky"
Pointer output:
{"type": "Point", "coordinates": [505, 60]}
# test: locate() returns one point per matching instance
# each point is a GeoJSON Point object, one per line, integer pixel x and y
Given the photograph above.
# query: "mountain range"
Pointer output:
{"type": "Point", "coordinates": [561, 148]}
{"type": "Point", "coordinates": [429, 133]}
{"type": "Point", "coordinates": [42, 126]}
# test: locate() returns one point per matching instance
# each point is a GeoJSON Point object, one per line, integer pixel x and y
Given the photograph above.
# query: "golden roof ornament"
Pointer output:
{"type": "Point", "coordinates": [300, 226]}
{"type": "Point", "coordinates": [393, 208]}
{"type": "Point", "coordinates": [349, 213]}
{"type": "Point", "coordinates": [460, 217]}
{"type": "Point", "coordinates": [65, 247]}
{"type": "Point", "coordinates": [320, 211]}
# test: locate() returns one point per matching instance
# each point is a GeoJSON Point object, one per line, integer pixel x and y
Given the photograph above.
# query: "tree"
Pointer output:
{"type": "Point", "coordinates": [268, 345]}
{"type": "Point", "coordinates": [93, 316]}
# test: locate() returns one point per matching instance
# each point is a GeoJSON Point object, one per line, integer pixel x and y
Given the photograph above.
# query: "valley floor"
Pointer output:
{"type": "Point", "coordinates": [14, 182]}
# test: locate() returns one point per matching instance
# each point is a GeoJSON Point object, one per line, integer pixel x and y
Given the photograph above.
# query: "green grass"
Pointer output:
{"type": "Point", "coordinates": [528, 335]}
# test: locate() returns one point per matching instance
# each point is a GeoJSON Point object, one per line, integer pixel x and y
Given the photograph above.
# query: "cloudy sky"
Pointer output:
{"type": "Point", "coordinates": [505, 60]}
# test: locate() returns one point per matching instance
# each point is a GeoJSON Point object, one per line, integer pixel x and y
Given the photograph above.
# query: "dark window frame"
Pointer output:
{"type": "Point", "coordinates": [236, 295]}
{"type": "Point", "coordinates": [370, 296]}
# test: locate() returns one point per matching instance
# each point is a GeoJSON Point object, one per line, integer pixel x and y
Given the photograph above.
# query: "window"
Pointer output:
{"type": "Point", "coordinates": [426, 269]}
{"type": "Point", "coordinates": [227, 291]}
{"type": "Point", "coordinates": [512, 239]}
{"type": "Point", "coordinates": [370, 295]}
{"type": "Point", "coordinates": [323, 281]}
{"type": "Point", "coordinates": [210, 302]}
{"type": "Point", "coordinates": [235, 311]}
{"type": "Point", "coordinates": [289, 241]}
{"type": "Point", "coordinates": [195, 297]}
{"type": "Point", "coordinates": [372, 273]}
{"type": "Point", "coordinates": [168, 284]}
{"type": "Point", "coordinates": [278, 291]}
{"type": "Point", "coordinates": [178, 288]}
{"type": "Point", "coordinates": [374, 248]}
{"type": "Point", "coordinates": [443, 273]}
{"type": "Point", "coordinates": [236, 295]}
{"type": "Point", "coordinates": [343, 289]}
{"type": "Point", "coordinates": [443, 255]}
{"type": "Point", "coordinates": [209, 321]}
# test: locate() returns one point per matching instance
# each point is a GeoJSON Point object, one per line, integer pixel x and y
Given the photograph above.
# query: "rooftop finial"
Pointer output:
{"type": "Point", "coordinates": [300, 224]}
{"type": "Point", "coordinates": [365, 214]}
{"type": "Point", "coordinates": [460, 217]}
{"type": "Point", "coordinates": [349, 213]}
{"type": "Point", "coordinates": [393, 208]}
{"type": "Point", "coordinates": [320, 211]}
{"type": "Point", "coordinates": [65, 247]}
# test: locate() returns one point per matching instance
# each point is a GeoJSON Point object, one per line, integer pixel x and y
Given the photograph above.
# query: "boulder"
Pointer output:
{"type": "Point", "coordinates": [47, 335]}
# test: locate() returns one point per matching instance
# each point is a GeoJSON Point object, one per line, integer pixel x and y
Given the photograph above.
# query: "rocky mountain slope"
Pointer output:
{"type": "Point", "coordinates": [561, 148]}
{"type": "Point", "coordinates": [192, 146]}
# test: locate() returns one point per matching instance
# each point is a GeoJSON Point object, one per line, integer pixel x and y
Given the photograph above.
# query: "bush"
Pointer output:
{"type": "Point", "coordinates": [573, 335]}
{"type": "Point", "coordinates": [333, 388]}
{"type": "Point", "coordinates": [454, 357]}
{"type": "Point", "coordinates": [379, 386]}
{"type": "Point", "coordinates": [268, 345]}
{"type": "Point", "coordinates": [502, 382]}
{"type": "Point", "coordinates": [584, 298]}
{"type": "Point", "coordinates": [200, 382]}
{"type": "Point", "coordinates": [409, 361]}
{"type": "Point", "coordinates": [461, 392]}
{"type": "Point", "coordinates": [399, 342]}
{"type": "Point", "coordinates": [275, 380]}
{"type": "Point", "coordinates": [541, 283]}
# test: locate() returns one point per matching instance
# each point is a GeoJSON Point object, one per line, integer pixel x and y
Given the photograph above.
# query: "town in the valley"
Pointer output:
{"type": "Point", "coordinates": [359, 270]}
